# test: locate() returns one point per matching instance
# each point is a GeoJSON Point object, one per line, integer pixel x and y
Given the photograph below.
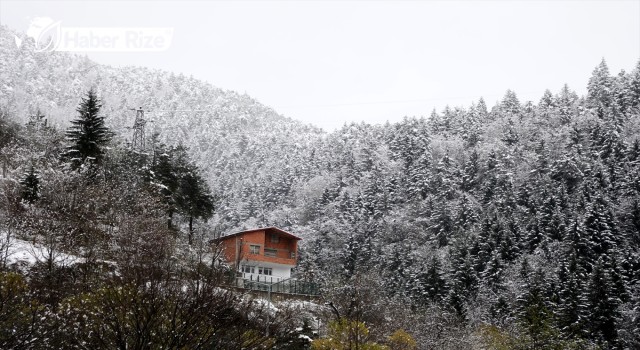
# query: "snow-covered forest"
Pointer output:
{"type": "Point", "coordinates": [506, 225]}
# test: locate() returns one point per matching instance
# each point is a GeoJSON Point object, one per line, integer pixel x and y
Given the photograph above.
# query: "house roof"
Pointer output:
{"type": "Point", "coordinates": [271, 229]}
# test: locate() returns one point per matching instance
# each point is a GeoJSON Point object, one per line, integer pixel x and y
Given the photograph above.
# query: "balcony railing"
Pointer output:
{"type": "Point", "coordinates": [277, 285]}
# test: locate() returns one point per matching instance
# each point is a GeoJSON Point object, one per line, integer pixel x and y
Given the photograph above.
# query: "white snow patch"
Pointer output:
{"type": "Point", "coordinates": [266, 304]}
{"type": "Point", "coordinates": [30, 253]}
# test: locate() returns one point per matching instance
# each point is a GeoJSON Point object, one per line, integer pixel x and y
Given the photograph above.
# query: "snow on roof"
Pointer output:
{"type": "Point", "coordinates": [266, 229]}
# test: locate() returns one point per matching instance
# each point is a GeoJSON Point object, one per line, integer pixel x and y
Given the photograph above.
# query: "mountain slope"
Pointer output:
{"type": "Point", "coordinates": [232, 137]}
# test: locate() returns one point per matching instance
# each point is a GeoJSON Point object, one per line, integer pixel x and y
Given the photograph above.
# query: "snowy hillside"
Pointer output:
{"type": "Point", "coordinates": [236, 140]}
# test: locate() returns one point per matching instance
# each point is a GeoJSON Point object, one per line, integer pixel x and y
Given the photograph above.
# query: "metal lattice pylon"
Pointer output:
{"type": "Point", "coordinates": [138, 142]}
{"type": "Point", "coordinates": [37, 121]}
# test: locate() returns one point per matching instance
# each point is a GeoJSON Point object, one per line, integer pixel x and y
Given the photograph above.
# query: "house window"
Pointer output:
{"type": "Point", "coordinates": [265, 271]}
{"type": "Point", "coordinates": [254, 249]}
{"type": "Point", "coordinates": [270, 252]}
{"type": "Point", "coordinates": [275, 238]}
{"type": "Point", "coordinates": [248, 269]}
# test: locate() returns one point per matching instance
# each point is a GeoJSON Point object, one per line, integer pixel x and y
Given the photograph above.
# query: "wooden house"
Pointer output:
{"type": "Point", "coordinates": [263, 254]}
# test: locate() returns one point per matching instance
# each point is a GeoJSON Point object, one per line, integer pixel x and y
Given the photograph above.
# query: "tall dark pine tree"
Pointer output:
{"type": "Point", "coordinates": [572, 306]}
{"type": "Point", "coordinates": [633, 223]}
{"type": "Point", "coordinates": [30, 185]}
{"type": "Point", "coordinates": [493, 275]}
{"type": "Point", "coordinates": [164, 176]}
{"type": "Point", "coordinates": [535, 315]}
{"type": "Point", "coordinates": [88, 134]}
{"type": "Point", "coordinates": [471, 172]}
{"type": "Point", "coordinates": [603, 307]}
{"type": "Point", "coordinates": [435, 286]}
{"type": "Point", "coordinates": [194, 198]}
{"type": "Point", "coordinates": [632, 89]}
{"type": "Point", "coordinates": [600, 91]}
{"type": "Point", "coordinates": [565, 101]}
{"type": "Point", "coordinates": [349, 257]}
{"type": "Point", "coordinates": [600, 229]}
{"type": "Point", "coordinates": [463, 282]}
{"type": "Point", "coordinates": [398, 271]}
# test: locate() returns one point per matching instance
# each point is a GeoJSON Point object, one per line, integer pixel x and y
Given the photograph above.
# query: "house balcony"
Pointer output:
{"type": "Point", "coordinates": [291, 286]}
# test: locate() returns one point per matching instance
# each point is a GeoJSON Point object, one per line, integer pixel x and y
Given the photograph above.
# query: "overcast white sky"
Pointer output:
{"type": "Point", "coordinates": [331, 62]}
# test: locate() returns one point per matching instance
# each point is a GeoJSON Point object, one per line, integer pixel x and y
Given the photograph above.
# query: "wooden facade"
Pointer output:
{"type": "Point", "coordinates": [268, 247]}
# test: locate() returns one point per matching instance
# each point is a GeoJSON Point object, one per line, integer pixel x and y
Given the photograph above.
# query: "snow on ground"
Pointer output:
{"type": "Point", "coordinates": [306, 305]}
{"type": "Point", "coordinates": [263, 303]}
{"type": "Point", "coordinates": [20, 251]}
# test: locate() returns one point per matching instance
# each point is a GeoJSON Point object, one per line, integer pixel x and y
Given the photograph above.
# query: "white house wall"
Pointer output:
{"type": "Point", "coordinates": [279, 271]}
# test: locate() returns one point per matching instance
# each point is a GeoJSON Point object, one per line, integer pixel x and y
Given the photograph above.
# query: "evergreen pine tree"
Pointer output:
{"type": "Point", "coordinates": [30, 185]}
{"type": "Point", "coordinates": [466, 216]}
{"type": "Point", "coordinates": [542, 162]}
{"type": "Point", "coordinates": [566, 101]}
{"type": "Point", "coordinates": [434, 282]}
{"type": "Point", "coordinates": [194, 198]}
{"type": "Point", "coordinates": [463, 281]}
{"type": "Point", "coordinates": [535, 237]}
{"type": "Point", "coordinates": [472, 127]}
{"type": "Point", "coordinates": [442, 181]}
{"type": "Point", "coordinates": [572, 306]}
{"type": "Point", "coordinates": [418, 177]}
{"type": "Point", "coordinates": [632, 90]}
{"type": "Point", "coordinates": [397, 271]}
{"type": "Point", "coordinates": [547, 101]}
{"type": "Point", "coordinates": [510, 136]}
{"type": "Point", "coordinates": [470, 172]}
{"type": "Point", "coordinates": [579, 245]}
{"type": "Point", "coordinates": [510, 246]}
{"type": "Point", "coordinates": [600, 229]}
{"type": "Point", "coordinates": [88, 134]}
{"type": "Point", "coordinates": [550, 217]}
{"type": "Point", "coordinates": [489, 238]}
{"type": "Point", "coordinates": [600, 91]}
{"type": "Point", "coordinates": [164, 176]}
{"type": "Point", "coordinates": [493, 274]}
{"type": "Point", "coordinates": [535, 315]}
{"type": "Point", "coordinates": [510, 105]}
{"type": "Point", "coordinates": [602, 306]}
{"type": "Point", "coordinates": [441, 223]}
{"type": "Point", "coordinates": [633, 224]}
{"type": "Point", "coordinates": [490, 180]}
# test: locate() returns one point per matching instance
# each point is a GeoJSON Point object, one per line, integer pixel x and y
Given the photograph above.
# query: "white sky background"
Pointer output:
{"type": "Point", "coordinates": [328, 63]}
